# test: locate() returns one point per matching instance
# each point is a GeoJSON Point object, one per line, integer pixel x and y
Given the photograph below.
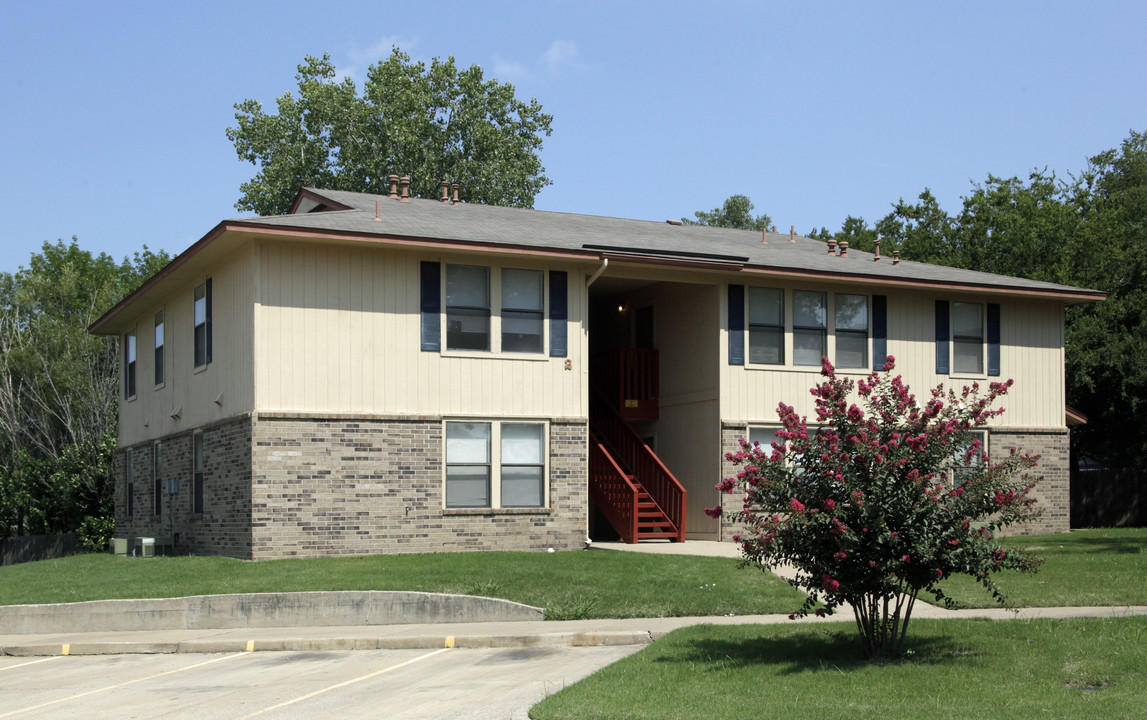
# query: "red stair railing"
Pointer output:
{"type": "Point", "coordinates": [613, 491]}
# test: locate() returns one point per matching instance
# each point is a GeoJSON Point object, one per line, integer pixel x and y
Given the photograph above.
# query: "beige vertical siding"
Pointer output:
{"type": "Point", "coordinates": [338, 331]}
{"type": "Point", "coordinates": [688, 431]}
{"type": "Point", "coordinates": [227, 378]}
{"type": "Point", "coordinates": [1031, 353]}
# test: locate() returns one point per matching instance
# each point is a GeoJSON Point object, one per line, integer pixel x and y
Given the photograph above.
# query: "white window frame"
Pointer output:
{"type": "Point", "coordinates": [495, 339]}
{"type": "Point", "coordinates": [980, 434]}
{"type": "Point", "coordinates": [494, 455]}
{"type": "Point", "coordinates": [130, 364]}
{"type": "Point", "coordinates": [790, 363]}
{"type": "Point", "coordinates": [983, 340]}
{"type": "Point", "coordinates": [159, 337]}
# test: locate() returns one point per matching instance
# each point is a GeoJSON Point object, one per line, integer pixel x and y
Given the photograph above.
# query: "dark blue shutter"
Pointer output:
{"type": "Point", "coordinates": [942, 346]}
{"type": "Point", "coordinates": [431, 306]}
{"type": "Point", "coordinates": [207, 324]}
{"type": "Point", "coordinates": [879, 331]}
{"type": "Point", "coordinates": [736, 324]}
{"type": "Point", "coordinates": [993, 339]}
{"type": "Point", "coordinates": [559, 313]}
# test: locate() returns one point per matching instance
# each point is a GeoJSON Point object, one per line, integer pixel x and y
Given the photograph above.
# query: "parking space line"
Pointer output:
{"type": "Point", "coordinates": [343, 684]}
{"type": "Point", "coordinates": [122, 684]}
{"type": "Point", "coordinates": [31, 662]}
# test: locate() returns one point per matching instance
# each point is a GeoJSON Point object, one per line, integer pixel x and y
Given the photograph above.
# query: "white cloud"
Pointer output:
{"type": "Point", "coordinates": [507, 70]}
{"type": "Point", "coordinates": [560, 53]}
{"type": "Point", "coordinates": [359, 59]}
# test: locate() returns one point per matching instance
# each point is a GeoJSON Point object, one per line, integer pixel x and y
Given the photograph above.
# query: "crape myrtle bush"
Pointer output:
{"type": "Point", "coordinates": [865, 508]}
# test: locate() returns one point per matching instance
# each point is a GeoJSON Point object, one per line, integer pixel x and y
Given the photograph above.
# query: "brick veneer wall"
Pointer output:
{"type": "Point", "coordinates": [1052, 492]}
{"type": "Point", "coordinates": [364, 486]}
{"type": "Point", "coordinates": [224, 526]}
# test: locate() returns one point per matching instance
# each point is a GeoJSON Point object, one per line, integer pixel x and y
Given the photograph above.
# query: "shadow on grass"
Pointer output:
{"type": "Point", "coordinates": [806, 650]}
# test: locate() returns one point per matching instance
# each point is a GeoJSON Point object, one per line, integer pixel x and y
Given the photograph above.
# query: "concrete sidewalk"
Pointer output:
{"type": "Point", "coordinates": [521, 633]}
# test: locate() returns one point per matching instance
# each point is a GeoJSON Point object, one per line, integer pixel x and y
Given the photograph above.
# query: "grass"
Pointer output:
{"type": "Point", "coordinates": [1082, 668]}
{"type": "Point", "coordinates": [569, 585]}
{"type": "Point", "coordinates": [1084, 567]}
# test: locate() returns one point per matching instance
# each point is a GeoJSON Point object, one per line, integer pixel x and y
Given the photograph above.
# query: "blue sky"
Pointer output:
{"type": "Point", "coordinates": [114, 114]}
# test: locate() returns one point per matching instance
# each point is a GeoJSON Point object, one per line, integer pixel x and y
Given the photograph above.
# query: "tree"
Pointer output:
{"type": "Point", "coordinates": [877, 505]}
{"type": "Point", "coordinates": [58, 387]}
{"type": "Point", "coordinates": [430, 124]}
{"type": "Point", "coordinates": [737, 212]}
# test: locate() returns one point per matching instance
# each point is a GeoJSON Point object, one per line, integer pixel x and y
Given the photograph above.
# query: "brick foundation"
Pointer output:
{"type": "Point", "coordinates": [223, 528]}
{"type": "Point", "coordinates": [1052, 492]}
{"type": "Point", "coordinates": [356, 487]}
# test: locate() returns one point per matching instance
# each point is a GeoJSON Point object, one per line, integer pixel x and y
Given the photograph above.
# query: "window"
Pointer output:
{"type": "Point", "coordinates": [766, 436]}
{"type": "Point", "coordinates": [492, 464]}
{"type": "Point", "coordinates": [197, 477]}
{"type": "Point", "coordinates": [156, 476]}
{"type": "Point", "coordinates": [810, 332]}
{"type": "Point", "coordinates": [467, 307]}
{"type": "Point", "coordinates": [129, 365]}
{"type": "Point", "coordinates": [522, 311]}
{"type": "Point", "coordinates": [851, 331]}
{"type": "Point", "coordinates": [967, 464]}
{"type": "Point", "coordinates": [128, 459]}
{"type": "Point", "coordinates": [159, 348]}
{"type": "Point", "coordinates": [767, 326]}
{"type": "Point", "coordinates": [968, 337]}
{"type": "Point", "coordinates": [499, 310]}
{"type": "Point", "coordinates": [203, 324]}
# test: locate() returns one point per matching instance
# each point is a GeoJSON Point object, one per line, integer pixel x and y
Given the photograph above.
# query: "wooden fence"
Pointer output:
{"type": "Point", "coordinates": [37, 547]}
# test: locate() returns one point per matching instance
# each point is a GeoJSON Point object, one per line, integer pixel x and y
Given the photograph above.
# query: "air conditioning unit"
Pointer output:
{"type": "Point", "coordinates": [122, 546]}
{"type": "Point", "coordinates": [146, 546]}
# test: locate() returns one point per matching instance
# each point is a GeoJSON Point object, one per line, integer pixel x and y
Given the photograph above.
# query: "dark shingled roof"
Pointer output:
{"type": "Point", "coordinates": [595, 235]}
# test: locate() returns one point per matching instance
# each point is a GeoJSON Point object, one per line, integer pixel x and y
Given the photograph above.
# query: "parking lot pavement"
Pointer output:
{"type": "Point", "coordinates": [445, 683]}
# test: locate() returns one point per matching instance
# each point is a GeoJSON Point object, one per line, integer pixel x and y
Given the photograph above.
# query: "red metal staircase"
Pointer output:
{"type": "Point", "coordinates": [628, 482]}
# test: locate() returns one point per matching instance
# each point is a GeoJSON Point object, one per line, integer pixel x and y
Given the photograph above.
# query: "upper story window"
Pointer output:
{"type": "Point", "coordinates": [129, 364]}
{"type": "Point", "coordinates": [767, 326]}
{"type": "Point", "coordinates": [810, 329]}
{"type": "Point", "coordinates": [522, 311]}
{"type": "Point", "coordinates": [159, 348]}
{"type": "Point", "coordinates": [493, 310]}
{"type": "Point", "coordinates": [202, 317]}
{"type": "Point", "coordinates": [851, 331]}
{"type": "Point", "coordinates": [968, 337]}
{"type": "Point", "coordinates": [467, 307]}
{"type": "Point", "coordinates": [798, 328]}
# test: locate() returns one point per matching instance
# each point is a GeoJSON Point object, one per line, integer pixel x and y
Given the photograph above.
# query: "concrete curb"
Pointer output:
{"type": "Point", "coordinates": [262, 610]}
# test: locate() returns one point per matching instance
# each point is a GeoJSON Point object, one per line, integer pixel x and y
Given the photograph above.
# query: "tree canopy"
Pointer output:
{"type": "Point", "coordinates": [736, 212]}
{"type": "Point", "coordinates": [1088, 231]}
{"type": "Point", "coordinates": [429, 123]}
{"type": "Point", "coordinates": [58, 387]}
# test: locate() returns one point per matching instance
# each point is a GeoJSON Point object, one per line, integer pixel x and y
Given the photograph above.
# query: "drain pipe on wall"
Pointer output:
{"type": "Point", "coordinates": [593, 278]}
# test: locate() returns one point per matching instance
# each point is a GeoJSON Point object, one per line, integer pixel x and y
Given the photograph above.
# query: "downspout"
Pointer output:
{"type": "Point", "coordinates": [593, 278]}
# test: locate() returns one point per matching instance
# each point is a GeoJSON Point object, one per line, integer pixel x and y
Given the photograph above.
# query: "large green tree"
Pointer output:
{"type": "Point", "coordinates": [1088, 231]}
{"type": "Point", "coordinates": [58, 387]}
{"type": "Point", "coordinates": [429, 123]}
{"type": "Point", "coordinates": [736, 212]}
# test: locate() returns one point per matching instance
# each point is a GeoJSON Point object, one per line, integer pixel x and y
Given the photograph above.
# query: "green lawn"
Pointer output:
{"type": "Point", "coordinates": [957, 669]}
{"type": "Point", "coordinates": [569, 585]}
{"type": "Point", "coordinates": [1084, 567]}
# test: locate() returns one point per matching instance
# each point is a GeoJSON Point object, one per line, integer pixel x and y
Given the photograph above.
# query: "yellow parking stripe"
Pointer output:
{"type": "Point", "coordinates": [343, 684]}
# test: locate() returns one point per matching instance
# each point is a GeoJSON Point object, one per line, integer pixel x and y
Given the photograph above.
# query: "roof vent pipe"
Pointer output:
{"type": "Point", "coordinates": [844, 248]}
{"type": "Point", "coordinates": [376, 215]}
{"type": "Point", "coordinates": [774, 229]}
{"type": "Point", "coordinates": [405, 182]}
{"type": "Point", "coordinates": [832, 246]}
{"type": "Point", "coordinates": [455, 188]}
{"type": "Point", "coordinates": [764, 236]}
{"type": "Point", "coordinates": [895, 257]}
{"type": "Point", "coordinates": [792, 233]}
{"type": "Point", "coordinates": [393, 180]}
{"type": "Point", "coordinates": [445, 185]}
{"type": "Point", "coordinates": [876, 257]}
